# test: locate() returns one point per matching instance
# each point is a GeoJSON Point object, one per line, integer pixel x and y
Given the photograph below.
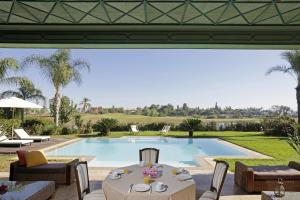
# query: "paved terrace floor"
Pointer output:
{"type": "Point", "coordinates": [202, 177]}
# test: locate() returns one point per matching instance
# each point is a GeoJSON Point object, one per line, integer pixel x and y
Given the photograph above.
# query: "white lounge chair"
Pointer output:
{"type": "Point", "coordinates": [134, 129]}
{"type": "Point", "coordinates": [165, 129]}
{"type": "Point", "coordinates": [24, 136]}
{"type": "Point", "coordinates": [4, 141]}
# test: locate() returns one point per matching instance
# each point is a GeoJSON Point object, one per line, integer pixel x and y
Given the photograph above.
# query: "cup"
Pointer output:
{"type": "Point", "coordinates": [149, 164]}
{"type": "Point", "coordinates": [174, 171]}
{"type": "Point", "coordinates": [146, 179]}
{"type": "Point", "coordinates": [159, 185]}
{"type": "Point", "coordinates": [115, 174]}
{"type": "Point", "coordinates": [142, 164]}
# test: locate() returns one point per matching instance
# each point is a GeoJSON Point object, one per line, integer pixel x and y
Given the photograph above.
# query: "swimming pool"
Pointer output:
{"type": "Point", "coordinates": [117, 152]}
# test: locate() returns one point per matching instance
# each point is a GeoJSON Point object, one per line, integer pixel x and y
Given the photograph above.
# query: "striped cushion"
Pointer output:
{"type": "Point", "coordinates": [149, 156]}
{"type": "Point", "coordinates": [220, 171]}
{"type": "Point", "coordinates": [83, 177]}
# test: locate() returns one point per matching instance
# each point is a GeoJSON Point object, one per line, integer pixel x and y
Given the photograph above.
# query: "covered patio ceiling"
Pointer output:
{"type": "Point", "coordinates": [150, 23]}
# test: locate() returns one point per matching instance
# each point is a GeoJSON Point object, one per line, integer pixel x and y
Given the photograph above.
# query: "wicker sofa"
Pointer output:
{"type": "Point", "coordinates": [61, 173]}
{"type": "Point", "coordinates": [258, 178]}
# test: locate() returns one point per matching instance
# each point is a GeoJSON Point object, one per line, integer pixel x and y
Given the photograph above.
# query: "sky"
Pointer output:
{"type": "Point", "coordinates": [198, 77]}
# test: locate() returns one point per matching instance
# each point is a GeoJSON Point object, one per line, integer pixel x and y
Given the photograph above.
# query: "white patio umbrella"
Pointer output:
{"type": "Point", "coordinates": [14, 102]}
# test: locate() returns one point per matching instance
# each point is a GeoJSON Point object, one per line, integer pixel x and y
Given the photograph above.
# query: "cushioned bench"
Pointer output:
{"type": "Point", "coordinates": [61, 173]}
{"type": "Point", "coordinates": [259, 178]}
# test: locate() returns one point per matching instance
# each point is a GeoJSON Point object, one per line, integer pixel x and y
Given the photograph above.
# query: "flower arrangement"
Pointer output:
{"type": "Point", "coordinates": [153, 172]}
{"type": "Point", "coordinates": [3, 188]}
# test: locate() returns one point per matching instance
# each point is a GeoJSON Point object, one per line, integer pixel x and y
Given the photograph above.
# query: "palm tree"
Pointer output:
{"type": "Point", "coordinates": [85, 104]}
{"type": "Point", "coordinates": [26, 91]}
{"type": "Point", "coordinates": [293, 69]}
{"type": "Point", "coordinates": [191, 125]}
{"type": "Point", "coordinates": [6, 65]}
{"type": "Point", "coordinates": [60, 70]}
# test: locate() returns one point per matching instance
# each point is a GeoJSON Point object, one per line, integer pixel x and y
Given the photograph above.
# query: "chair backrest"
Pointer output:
{"type": "Point", "coordinates": [149, 155]}
{"type": "Point", "coordinates": [21, 133]}
{"type": "Point", "coordinates": [82, 179]}
{"type": "Point", "coordinates": [167, 128]}
{"type": "Point", "coordinates": [219, 177]}
{"type": "Point", "coordinates": [134, 128]}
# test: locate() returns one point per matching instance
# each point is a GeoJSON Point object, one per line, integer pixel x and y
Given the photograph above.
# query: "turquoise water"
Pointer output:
{"type": "Point", "coordinates": [119, 152]}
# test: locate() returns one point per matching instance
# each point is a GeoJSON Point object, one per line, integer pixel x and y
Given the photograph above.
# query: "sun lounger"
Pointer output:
{"type": "Point", "coordinates": [4, 141]}
{"type": "Point", "coordinates": [134, 129]}
{"type": "Point", "coordinates": [24, 136]}
{"type": "Point", "coordinates": [165, 129]}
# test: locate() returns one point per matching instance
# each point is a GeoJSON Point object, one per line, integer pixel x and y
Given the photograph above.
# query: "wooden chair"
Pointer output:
{"type": "Point", "coordinates": [83, 184]}
{"type": "Point", "coordinates": [217, 182]}
{"type": "Point", "coordinates": [149, 155]}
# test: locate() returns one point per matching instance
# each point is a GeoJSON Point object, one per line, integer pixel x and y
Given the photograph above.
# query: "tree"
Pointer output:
{"type": "Point", "coordinates": [191, 125]}
{"type": "Point", "coordinates": [60, 70]}
{"type": "Point", "coordinates": [105, 125]}
{"type": "Point", "coordinates": [66, 111]}
{"type": "Point", "coordinates": [86, 105]}
{"type": "Point", "coordinates": [293, 69]}
{"type": "Point", "coordinates": [281, 110]}
{"type": "Point", "coordinates": [25, 91]}
{"type": "Point", "coordinates": [7, 65]}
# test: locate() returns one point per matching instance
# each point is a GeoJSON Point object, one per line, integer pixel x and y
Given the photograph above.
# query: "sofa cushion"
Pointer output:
{"type": "Point", "coordinates": [43, 169]}
{"type": "Point", "coordinates": [21, 157]}
{"type": "Point", "coordinates": [35, 158]}
{"type": "Point", "coordinates": [275, 172]}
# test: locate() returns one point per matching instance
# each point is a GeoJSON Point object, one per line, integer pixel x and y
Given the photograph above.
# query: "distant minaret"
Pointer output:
{"type": "Point", "coordinates": [216, 106]}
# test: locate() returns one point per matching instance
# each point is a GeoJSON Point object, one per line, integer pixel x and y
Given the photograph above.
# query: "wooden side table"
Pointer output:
{"type": "Point", "coordinates": [269, 195]}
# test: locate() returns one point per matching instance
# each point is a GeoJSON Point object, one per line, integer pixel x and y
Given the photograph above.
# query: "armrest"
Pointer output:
{"type": "Point", "coordinates": [244, 176]}
{"type": "Point", "coordinates": [70, 171]}
{"type": "Point", "coordinates": [295, 165]}
{"type": "Point", "coordinates": [13, 166]}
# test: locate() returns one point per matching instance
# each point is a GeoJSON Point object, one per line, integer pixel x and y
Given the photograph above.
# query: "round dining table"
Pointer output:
{"type": "Point", "coordinates": [121, 189]}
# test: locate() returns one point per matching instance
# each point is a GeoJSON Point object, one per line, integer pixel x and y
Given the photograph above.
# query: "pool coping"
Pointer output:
{"type": "Point", "coordinates": [206, 162]}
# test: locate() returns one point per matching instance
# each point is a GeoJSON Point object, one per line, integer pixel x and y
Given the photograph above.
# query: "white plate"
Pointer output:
{"type": "Point", "coordinates": [163, 189]}
{"type": "Point", "coordinates": [114, 177]}
{"type": "Point", "coordinates": [182, 171]}
{"type": "Point", "coordinates": [141, 187]}
{"type": "Point", "coordinates": [183, 177]}
{"type": "Point", "coordinates": [119, 171]}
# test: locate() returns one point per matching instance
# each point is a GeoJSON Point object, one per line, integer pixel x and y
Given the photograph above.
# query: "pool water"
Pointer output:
{"type": "Point", "coordinates": [118, 152]}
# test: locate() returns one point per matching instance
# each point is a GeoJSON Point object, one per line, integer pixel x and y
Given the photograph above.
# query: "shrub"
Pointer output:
{"type": "Point", "coordinates": [247, 126]}
{"type": "Point", "coordinates": [33, 126]}
{"type": "Point", "coordinates": [78, 121]}
{"type": "Point", "coordinates": [6, 125]}
{"type": "Point", "coordinates": [281, 126]}
{"type": "Point", "coordinates": [51, 130]}
{"type": "Point", "coordinates": [294, 139]}
{"type": "Point", "coordinates": [191, 125]}
{"type": "Point", "coordinates": [105, 125]}
{"type": "Point", "coordinates": [88, 127]}
{"type": "Point", "coordinates": [66, 131]}
{"type": "Point", "coordinates": [152, 127]}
